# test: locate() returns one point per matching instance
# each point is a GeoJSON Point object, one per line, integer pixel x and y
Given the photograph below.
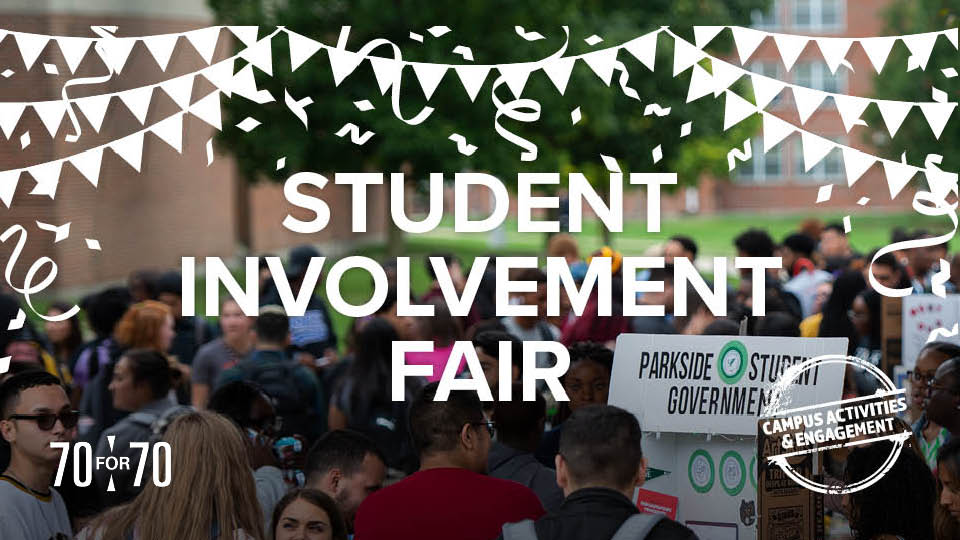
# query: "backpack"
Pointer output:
{"type": "Point", "coordinates": [279, 381]}
{"type": "Point", "coordinates": [636, 527]}
{"type": "Point", "coordinates": [158, 424]}
{"type": "Point", "coordinates": [386, 425]}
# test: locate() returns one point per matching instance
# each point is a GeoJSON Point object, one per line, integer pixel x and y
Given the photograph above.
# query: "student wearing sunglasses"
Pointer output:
{"type": "Point", "coordinates": [35, 412]}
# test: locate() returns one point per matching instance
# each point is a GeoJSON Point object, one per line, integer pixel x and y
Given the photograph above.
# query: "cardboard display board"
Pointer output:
{"type": "Point", "coordinates": [786, 510]}
{"type": "Point", "coordinates": [891, 330]}
{"type": "Point", "coordinates": [922, 314]}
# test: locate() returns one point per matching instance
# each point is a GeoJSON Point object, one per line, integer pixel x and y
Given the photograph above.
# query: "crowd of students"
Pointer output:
{"type": "Point", "coordinates": [280, 428]}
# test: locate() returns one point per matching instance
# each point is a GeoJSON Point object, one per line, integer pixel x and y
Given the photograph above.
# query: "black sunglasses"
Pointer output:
{"type": "Point", "coordinates": [46, 421]}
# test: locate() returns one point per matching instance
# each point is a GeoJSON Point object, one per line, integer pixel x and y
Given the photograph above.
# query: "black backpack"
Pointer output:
{"type": "Point", "coordinates": [279, 381]}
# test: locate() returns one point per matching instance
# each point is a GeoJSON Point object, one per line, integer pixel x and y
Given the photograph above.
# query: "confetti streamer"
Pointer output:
{"type": "Point", "coordinates": [464, 51]}
{"type": "Point", "coordinates": [655, 108]}
{"type": "Point", "coordinates": [281, 163]}
{"type": "Point", "coordinates": [657, 154]}
{"type": "Point", "coordinates": [685, 129]}
{"type": "Point", "coordinates": [61, 232]}
{"type": "Point", "coordinates": [575, 116]}
{"type": "Point", "coordinates": [846, 225]}
{"type": "Point", "coordinates": [593, 40]}
{"type": "Point", "coordinates": [416, 37]}
{"type": "Point", "coordinates": [437, 31]}
{"type": "Point", "coordinates": [529, 36]}
{"type": "Point", "coordinates": [209, 148]}
{"type": "Point", "coordinates": [610, 163]}
{"type": "Point", "coordinates": [248, 124]}
{"type": "Point", "coordinates": [363, 105]}
{"type": "Point", "coordinates": [824, 193]}
{"type": "Point", "coordinates": [735, 154]}
{"type": "Point", "coordinates": [354, 131]}
{"type": "Point", "coordinates": [462, 146]}
{"type": "Point", "coordinates": [16, 323]}
{"type": "Point", "coordinates": [92, 244]}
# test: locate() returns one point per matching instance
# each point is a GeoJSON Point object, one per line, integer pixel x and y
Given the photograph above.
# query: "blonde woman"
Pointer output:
{"type": "Point", "coordinates": [211, 493]}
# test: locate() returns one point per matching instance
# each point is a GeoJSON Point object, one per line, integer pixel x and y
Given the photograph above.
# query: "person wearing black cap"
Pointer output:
{"type": "Point", "coordinates": [190, 332]}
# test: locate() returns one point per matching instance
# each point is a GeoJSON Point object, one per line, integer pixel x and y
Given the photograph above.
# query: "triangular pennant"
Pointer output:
{"type": "Point", "coordinates": [735, 110]}
{"type": "Point", "coordinates": [815, 148]}
{"type": "Point", "coordinates": [893, 113]}
{"type": "Point", "coordinates": [171, 131]}
{"type": "Point", "coordinates": [644, 49]}
{"type": "Point", "coordinates": [138, 101]}
{"type": "Point", "coordinates": [807, 101]}
{"type": "Point", "coordinates": [952, 34]}
{"type": "Point", "coordinates": [8, 185]}
{"type": "Point", "coordinates": [208, 109]}
{"type": "Point", "coordinates": [260, 55]}
{"type": "Point", "coordinates": [88, 163]}
{"type": "Point", "coordinates": [161, 47]}
{"type": "Point", "coordinates": [878, 49]}
{"type": "Point", "coordinates": [94, 108]}
{"type": "Point", "coordinates": [31, 45]}
{"type": "Point", "coordinates": [429, 76]}
{"type": "Point", "coordinates": [221, 75]}
{"type": "Point", "coordinates": [244, 84]}
{"type": "Point", "coordinates": [51, 114]}
{"type": "Point", "coordinates": [472, 78]}
{"type": "Point", "coordinates": [701, 84]}
{"type": "Point", "coordinates": [387, 72]}
{"type": "Point", "coordinates": [73, 49]}
{"type": "Point", "coordinates": [204, 41]}
{"type": "Point", "coordinates": [765, 89]}
{"type": "Point", "coordinates": [342, 63]}
{"type": "Point", "coordinates": [180, 89]}
{"type": "Point", "coordinates": [898, 176]}
{"type": "Point", "coordinates": [850, 109]}
{"type": "Point", "coordinates": [921, 45]}
{"type": "Point", "coordinates": [516, 76]}
{"type": "Point", "coordinates": [47, 176]}
{"type": "Point", "coordinates": [301, 49]}
{"type": "Point", "coordinates": [246, 34]}
{"type": "Point", "coordinates": [790, 47]}
{"type": "Point", "coordinates": [705, 34]}
{"type": "Point", "coordinates": [558, 70]}
{"type": "Point", "coordinates": [10, 113]}
{"type": "Point", "coordinates": [130, 148]}
{"type": "Point", "coordinates": [114, 52]}
{"type": "Point", "coordinates": [724, 74]}
{"type": "Point", "coordinates": [685, 55]}
{"type": "Point", "coordinates": [602, 63]}
{"type": "Point", "coordinates": [856, 163]}
{"type": "Point", "coordinates": [774, 131]}
{"type": "Point", "coordinates": [937, 115]}
{"type": "Point", "coordinates": [834, 51]}
{"type": "Point", "coordinates": [747, 41]}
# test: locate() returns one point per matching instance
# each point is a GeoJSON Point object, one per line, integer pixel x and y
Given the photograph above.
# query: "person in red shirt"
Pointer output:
{"type": "Point", "coordinates": [450, 496]}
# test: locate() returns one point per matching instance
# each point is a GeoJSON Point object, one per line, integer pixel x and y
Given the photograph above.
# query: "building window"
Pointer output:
{"type": "Point", "coordinates": [763, 167]}
{"type": "Point", "coordinates": [829, 169]}
{"type": "Point", "coordinates": [819, 15]}
{"type": "Point", "coordinates": [816, 75]}
{"type": "Point", "coordinates": [766, 20]}
{"type": "Point", "coordinates": [774, 70]}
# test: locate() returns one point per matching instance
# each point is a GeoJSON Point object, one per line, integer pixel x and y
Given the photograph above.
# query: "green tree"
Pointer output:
{"type": "Point", "coordinates": [612, 123]}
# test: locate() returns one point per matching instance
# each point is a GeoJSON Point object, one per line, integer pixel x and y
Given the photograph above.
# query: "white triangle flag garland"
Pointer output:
{"type": "Point", "coordinates": [472, 78]}
{"type": "Point", "coordinates": [204, 41]}
{"type": "Point", "coordinates": [10, 113]}
{"type": "Point", "coordinates": [736, 109]}
{"type": "Point", "coordinates": [342, 63]}
{"type": "Point", "coordinates": [8, 185]}
{"type": "Point", "coordinates": [815, 148]}
{"type": "Point", "coordinates": [807, 101]}
{"type": "Point", "coordinates": [855, 163]}
{"type": "Point", "coordinates": [790, 47]}
{"type": "Point", "coordinates": [878, 49]}
{"type": "Point", "coordinates": [644, 49]}
{"type": "Point", "coordinates": [893, 113]}
{"type": "Point", "coordinates": [161, 48]}
{"type": "Point", "coordinates": [724, 74]}
{"type": "Point", "coordinates": [221, 75]}
{"type": "Point", "coordinates": [834, 51]}
{"type": "Point", "coordinates": [705, 34]}
{"type": "Point", "coordinates": [920, 45]}
{"type": "Point", "coordinates": [765, 89]}
{"type": "Point", "coordinates": [180, 89]}
{"type": "Point", "coordinates": [114, 52]}
{"type": "Point", "coordinates": [558, 70]}
{"type": "Point", "coordinates": [937, 115]}
{"type": "Point", "coordinates": [701, 84]}
{"type": "Point", "coordinates": [208, 109]}
{"type": "Point", "coordinates": [138, 101]}
{"type": "Point", "coordinates": [51, 114]}
{"type": "Point", "coordinates": [245, 85]}
{"type": "Point", "coordinates": [73, 49]}
{"type": "Point", "coordinates": [47, 176]}
{"type": "Point", "coordinates": [246, 34]}
{"type": "Point", "coordinates": [685, 55]}
{"type": "Point", "coordinates": [88, 163]}
{"type": "Point", "coordinates": [850, 109]}
{"type": "Point", "coordinates": [602, 63]}
{"type": "Point", "coordinates": [260, 55]}
{"type": "Point", "coordinates": [429, 76]}
{"type": "Point", "coordinates": [387, 72]}
{"type": "Point", "coordinates": [130, 148]}
{"type": "Point", "coordinates": [301, 49]}
{"type": "Point", "coordinates": [774, 131]}
{"type": "Point", "coordinates": [516, 76]}
{"type": "Point", "coordinates": [94, 108]}
{"type": "Point", "coordinates": [170, 130]}
{"type": "Point", "coordinates": [31, 45]}
{"type": "Point", "coordinates": [898, 176]}
{"type": "Point", "coordinates": [747, 41]}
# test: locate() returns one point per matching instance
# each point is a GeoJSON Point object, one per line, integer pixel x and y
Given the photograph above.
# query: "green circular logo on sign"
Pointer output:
{"type": "Point", "coordinates": [753, 471]}
{"type": "Point", "coordinates": [700, 471]}
{"type": "Point", "coordinates": [733, 473]}
{"type": "Point", "coordinates": [732, 362]}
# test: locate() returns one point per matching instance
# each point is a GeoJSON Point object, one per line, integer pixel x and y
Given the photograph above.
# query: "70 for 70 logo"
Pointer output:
{"type": "Point", "coordinates": [84, 463]}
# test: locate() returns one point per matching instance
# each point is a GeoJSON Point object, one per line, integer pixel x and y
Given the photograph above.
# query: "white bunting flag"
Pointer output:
{"type": "Point", "coordinates": [10, 113]}
{"type": "Point", "coordinates": [246, 34]}
{"type": "Point", "coordinates": [684, 56]}
{"type": "Point", "coordinates": [260, 55]}
{"type": "Point", "coordinates": [952, 34]}
{"type": "Point", "coordinates": [31, 45]}
{"type": "Point", "coordinates": [516, 76]}
{"type": "Point", "coordinates": [834, 51]}
{"type": "Point", "coordinates": [94, 108]}
{"type": "Point", "coordinates": [747, 41]}
{"type": "Point", "coordinates": [774, 131]}
{"type": "Point", "coordinates": [704, 34]}
{"type": "Point", "coordinates": [815, 148]}
{"type": "Point", "coordinates": [208, 109]}
{"type": "Point", "coordinates": [920, 45]}
{"type": "Point", "coordinates": [878, 49]}
{"type": "Point", "coordinates": [602, 63]}
{"type": "Point", "coordinates": [855, 163]}
{"type": "Point", "coordinates": [180, 89]}
{"type": "Point", "coordinates": [701, 84]}
{"type": "Point", "coordinates": [170, 130]}
{"type": "Point", "coordinates": [790, 47]}
{"type": "Point", "coordinates": [73, 49]}
{"type": "Point", "coordinates": [88, 163]}
{"type": "Point", "coordinates": [558, 70]}
{"type": "Point", "coordinates": [342, 63]}
{"type": "Point", "coordinates": [138, 101]}
{"type": "Point", "coordinates": [765, 89]}
{"type": "Point", "coordinates": [221, 75]}
{"type": "Point", "coordinates": [387, 72]}
{"type": "Point", "coordinates": [51, 114]}
{"type": "Point", "coordinates": [8, 185]}
{"type": "Point", "coordinates": [114, 52]}
{"type": "Point", "coordinates": [736, 109]}
{"type": "Point", "coordinates": [204, 41]}
{"type": "Point", "coordinates": [644, 49]}
{"type": "Point", "coordinates": [898, 176]}
{"type": "Point", "coordinates": [161, 48]}
{"type": "Point", "coordinates": [724, 74]}
{"type": "Point", "coordinates": [472, 78]}
{"type": "Point", "coordinates": [429, 76]}
{"type": "Point", "coordinates": [850, 109]}
{"type": "Point", "coordinates": [807, 100]}
{"type": "Point", "coordinates": [47, 176]}
{"type": "Point", "coordinates": [130, 149]}
{"type": "Point", "coordinates": [245, 85]}
{"type": "Point", "coordinates": [937, 115]}
{"type": "Point", "coordinates": [301, 49]}
{"type": "Point", "coordinates": [893, 113]}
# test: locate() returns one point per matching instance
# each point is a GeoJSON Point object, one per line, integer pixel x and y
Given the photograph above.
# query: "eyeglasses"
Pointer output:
{"type": "Point", "coordinates": [933, 386]}
{"type": "Point", "coordinates": [491, 427]}
{"type": "Point", "coordinates": [919, 376]}
{"type": "Point", "coordinates": [46, 421]}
